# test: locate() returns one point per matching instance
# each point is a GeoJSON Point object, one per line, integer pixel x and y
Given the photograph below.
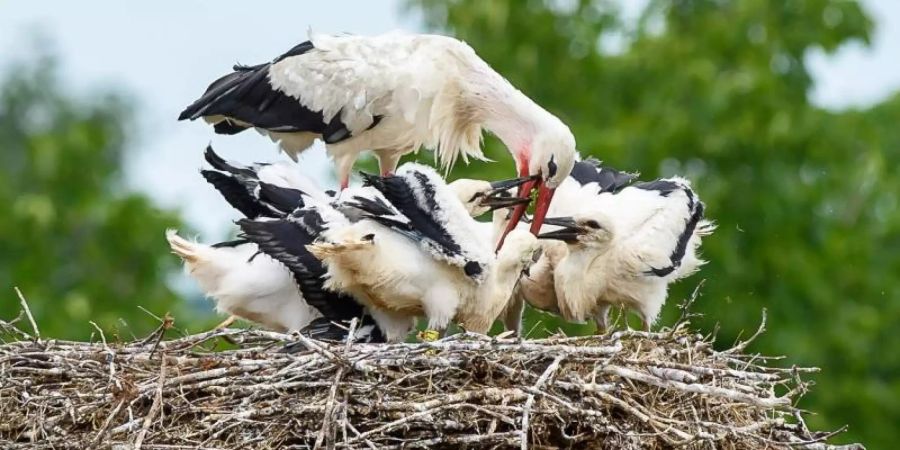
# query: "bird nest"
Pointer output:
{"type": "Point", "coordinates": [624, 390]}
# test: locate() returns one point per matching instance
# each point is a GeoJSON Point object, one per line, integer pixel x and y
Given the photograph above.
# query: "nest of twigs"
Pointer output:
{"type": "Point", "coordinates": [621, 391]}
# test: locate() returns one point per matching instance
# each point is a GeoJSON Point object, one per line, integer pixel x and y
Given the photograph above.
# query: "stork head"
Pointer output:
{"type": "Point", "coordinates": [480, 196]}
{"type": "Point", "coordinates": [550, 156]}
{"type": "Point", "coordinates": [590, 229]}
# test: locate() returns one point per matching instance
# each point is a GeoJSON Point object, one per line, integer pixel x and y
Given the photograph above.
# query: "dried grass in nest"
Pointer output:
{"type": "Point", "coordinates": [621, 391]}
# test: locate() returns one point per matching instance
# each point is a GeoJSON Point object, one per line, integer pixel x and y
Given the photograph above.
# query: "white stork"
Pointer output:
{"type": "Point", "coordinates": [626, 243]}
{"type": "Point", "coordinates": [254, 286]}
{"type": "Point", "coordinates": [244, 283]}
{"type": "Point", "coordinates": [391, 94]}
{"type": "Point", "coordinates": [414, 251]}
{"type": "Point", "coordinates": [241, 186]}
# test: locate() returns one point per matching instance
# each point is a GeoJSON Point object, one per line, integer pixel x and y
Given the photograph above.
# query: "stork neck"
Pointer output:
{"type": "Point", "coordinates": [505, 111]}
{"type": "Point", "coordinates": [493, 295]}
{"type": "Point", "coordinates": [503, 280]}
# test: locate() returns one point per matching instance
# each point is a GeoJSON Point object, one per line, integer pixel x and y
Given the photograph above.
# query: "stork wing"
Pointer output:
{"type": "Point", "coordinates": [307, 89]}
{"type": "Point", "coordinates": [422, 207]}
{"type": "Point", "coordinates": [673, 214]}
{"type": "Point", "coordinates": [285, 240]}
{"type": "Point", "coordinates": [607, 179]}
{"type": "Point", "coordinates": [242, 188]}
{"type": "Point", "coordinates": [590, 183]}
{"type": "Point", "coordinates": [245, 98]}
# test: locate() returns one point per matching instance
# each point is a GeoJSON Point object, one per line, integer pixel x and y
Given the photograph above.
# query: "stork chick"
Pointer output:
{"type": "Point", "coordinates": [393, 274]}
{"type": "Point", "coordinates": [626, 249]}
{"type": "Point", "coordinates": [245, 283]}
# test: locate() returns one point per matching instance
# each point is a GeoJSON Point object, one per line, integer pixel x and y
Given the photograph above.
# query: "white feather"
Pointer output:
{"type": "Point", "coordinates": [642, 228]}
{"type": "Point", "coordinates": [245, 284]}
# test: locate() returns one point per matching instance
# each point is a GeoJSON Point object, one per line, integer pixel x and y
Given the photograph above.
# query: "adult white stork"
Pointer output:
{"type": "Point", "coordinates": [413, 251]}
{"type": "Point", "coordinates": [391, 94]}
{"type": "Point", "coordinates": [626, 243]}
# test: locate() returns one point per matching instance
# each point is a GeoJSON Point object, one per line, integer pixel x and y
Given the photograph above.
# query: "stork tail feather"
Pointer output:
{"type": "Point", "coordinates": [186, 250]}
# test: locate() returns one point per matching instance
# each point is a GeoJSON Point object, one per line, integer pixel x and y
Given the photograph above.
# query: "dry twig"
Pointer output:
{"type": "Point", "coordinates": [624, 390]}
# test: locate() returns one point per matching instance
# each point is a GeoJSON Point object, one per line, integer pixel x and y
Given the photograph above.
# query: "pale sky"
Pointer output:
{"type": "Point", "coordinates": [165, 54]}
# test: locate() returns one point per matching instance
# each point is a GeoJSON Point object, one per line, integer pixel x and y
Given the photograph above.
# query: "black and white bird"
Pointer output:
{"type": "Point", "coordinates": [242, 186]}
{"type": "Point", "coordinates": [413, 251]}
{"type": "Point", "coordinates": [245, 282]}
{"type": "Point", "coordinates": [626, 242]}
{"type": "Point", "coordinates": [285, 239]}
{"type": "Point", "coordinates": [391, 94]}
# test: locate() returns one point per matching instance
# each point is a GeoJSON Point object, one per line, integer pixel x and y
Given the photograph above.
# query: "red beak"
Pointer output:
{"type": "Point", "coordinates": [517, 213]}
{"type": "Point", "coordinates": [545, 195]}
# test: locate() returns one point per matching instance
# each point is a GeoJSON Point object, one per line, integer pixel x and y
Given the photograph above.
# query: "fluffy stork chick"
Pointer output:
{"type": "Point", "coordinates": [627, 248]}
{"type": "Point", "coordinates": [245, 283]}
{"type": "Point", "coordinates": [513, 261]}
{"type": "Point", "coordinates": [286, 240]}
{"type": "Point", "coordinates": [393, 274]}
{"type": "Point", "coordinates": [391, 94]}
{"type": "Point", "coordinates": [415, 252]}
{"type": "Point", "coordinates": [242, 186]}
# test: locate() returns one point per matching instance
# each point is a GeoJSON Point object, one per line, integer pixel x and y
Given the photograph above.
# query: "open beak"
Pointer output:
{"type": "Point", "coordinates": [568, 231]}
{"type": "Point", "coordinates": [516, 216]}
{"type": "Point", "coordinates": [499, 196]}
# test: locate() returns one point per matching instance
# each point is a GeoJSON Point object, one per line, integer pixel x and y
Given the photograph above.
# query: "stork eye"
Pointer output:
{"type": "Point", "coordinates": [593, 224]}
{"type": "Point", "coordinates": [536, 255]}
{"type": "Point", "coordinates": [551, 167]}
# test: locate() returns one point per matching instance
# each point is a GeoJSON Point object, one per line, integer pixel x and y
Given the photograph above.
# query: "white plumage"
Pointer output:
{"type": "Point", "coordinates": [626, 244]}
{"type": "Point", "coordinates": [418, 253]}
{"type": "Point", "coordinates": [245, 283]}
{"type": "Point", "coordinates": [391, 94]}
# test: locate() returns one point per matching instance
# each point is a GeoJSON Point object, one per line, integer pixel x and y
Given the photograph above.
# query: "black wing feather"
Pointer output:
{"type": "Point", "coordinates": [281, 198]}
{"type": "Point", "coordinates": [690, 225]}
{"type": "Point", "coordinates": [401, 196]}
{"type": "Point", "coordinates": [286, 241]}
{"type": "Point", "coordinates": [664, 187]}
{"type": "Point", "coordinates": [593, 171]}
{"type": "Point", "coordinates": [236, 194]}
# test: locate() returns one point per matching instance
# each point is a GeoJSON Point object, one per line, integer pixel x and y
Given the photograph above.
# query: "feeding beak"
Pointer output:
{"type": "Point", "coordinates": [568, 232]}
{"type": "Point", "coordinates": [499, 197]}
{"type": "Point", "coordinates": [545, 195]}
{"type": "Point", "coordinates": [516, 216]}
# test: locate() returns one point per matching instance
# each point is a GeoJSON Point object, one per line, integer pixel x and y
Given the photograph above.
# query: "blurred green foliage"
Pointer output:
{"type": "Point", "coordinates": [716, 90]}
{"type": "Point", "coordinates": [72, 238]}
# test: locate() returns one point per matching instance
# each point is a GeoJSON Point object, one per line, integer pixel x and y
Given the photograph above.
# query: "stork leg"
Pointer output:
{"type": "Point", "coordinates": [388, 160]}
{"type": "Point", "coordinates": [344, 165]}
{"type": "Point", "coordinates": [440, 303]}
{"type": "Point", "coordinates": [512, 316]}
{"type": "Point", "coordinates": [601, 318]}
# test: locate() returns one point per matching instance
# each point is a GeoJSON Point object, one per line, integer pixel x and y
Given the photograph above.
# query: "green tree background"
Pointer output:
{"type": "Point", "coordinates": [806, 199]}
{"type": "Point", "coordinates": [72, 238]}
